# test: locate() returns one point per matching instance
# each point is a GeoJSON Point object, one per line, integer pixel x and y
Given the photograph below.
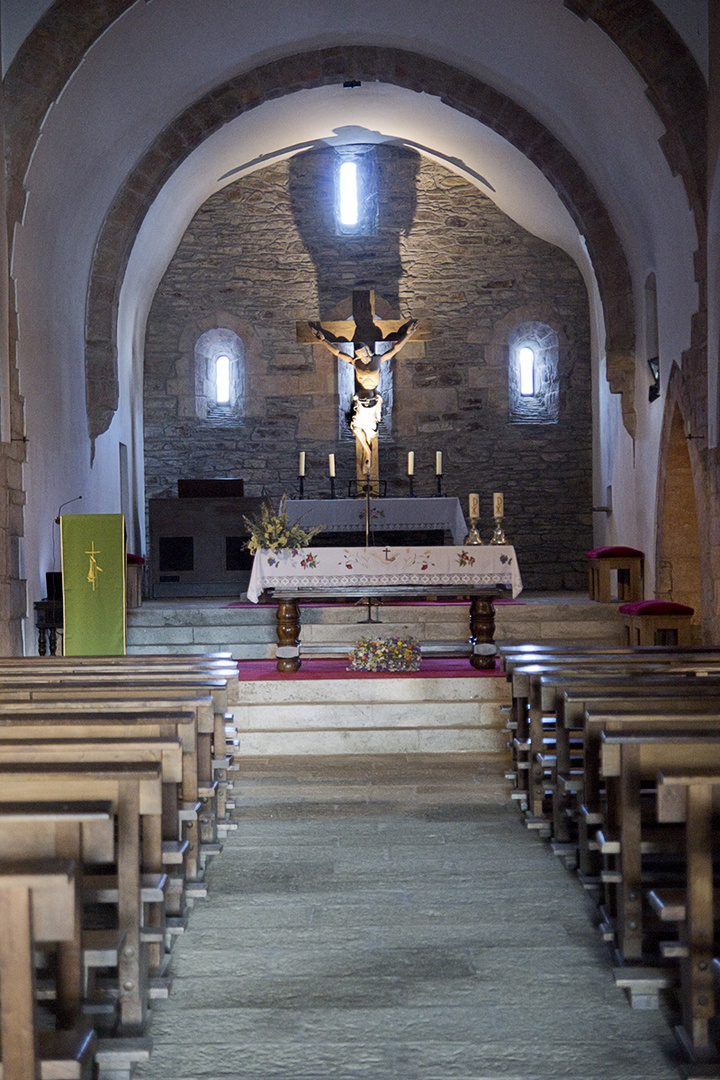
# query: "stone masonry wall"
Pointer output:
{"type": "Point", "coordinates": [263, 254]}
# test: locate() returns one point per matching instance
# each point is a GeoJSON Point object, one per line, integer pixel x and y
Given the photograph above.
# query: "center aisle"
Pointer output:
{"type": "Point", "coordinates": [390, 919]}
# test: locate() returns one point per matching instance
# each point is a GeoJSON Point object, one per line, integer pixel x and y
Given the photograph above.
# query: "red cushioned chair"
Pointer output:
{"type": "Point", "coordinates": [657, 622]}
{"type": "Point", "coordinates": [627, 562]}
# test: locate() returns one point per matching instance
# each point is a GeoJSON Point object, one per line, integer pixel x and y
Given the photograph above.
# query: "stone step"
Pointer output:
{"type": "Point", "coordinates": [249, 632]}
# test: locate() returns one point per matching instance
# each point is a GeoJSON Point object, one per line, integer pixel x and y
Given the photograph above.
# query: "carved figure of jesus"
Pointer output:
{"type": "Point", "coordinates": [367, 402]}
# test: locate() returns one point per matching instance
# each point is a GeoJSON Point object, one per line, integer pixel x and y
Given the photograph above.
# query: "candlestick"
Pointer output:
{"type": "Point", "coordinates": [439, 483]}
{"type": "Point", "coordinates": [302, 487]}
{"type": "Point", "coordinates": [438, 462]}
{"type": "Point", "coordinates": [332, 487]}
{"type": "Point", "coordinates": [498, 505]}
{"type": "Point", "coordinates": [412, 492]}
{"type": "Point", "coordinates": [498, 536]}
{"type": "Point", "coordinates": [411, 463]}
{"type": "Point", "coordinates": [331, 465]}
{"type": "Point", "coordinates": [301, 464]}
{"type": "Point", "coordinates": [474, 505]}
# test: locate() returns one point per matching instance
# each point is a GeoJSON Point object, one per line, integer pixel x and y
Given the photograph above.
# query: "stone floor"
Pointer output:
{"type": "Point", "coordinates": [391, 919]}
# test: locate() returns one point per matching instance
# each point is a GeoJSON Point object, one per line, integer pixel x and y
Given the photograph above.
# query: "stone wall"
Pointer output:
{"type": "Point", "coordinates": [263, 254]}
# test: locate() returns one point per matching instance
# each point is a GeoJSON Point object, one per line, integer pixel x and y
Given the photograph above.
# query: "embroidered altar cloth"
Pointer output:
{"type": "Point", "coordinates": [362, 569]}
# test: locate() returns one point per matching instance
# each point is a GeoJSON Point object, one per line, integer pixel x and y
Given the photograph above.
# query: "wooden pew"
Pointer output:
{"type": "Point", "coordinates": [630, 761]}
{"type": "Point", "coordinates": [690, 796]}
{"type": "Point", "coordinates": [34, 680]}
{"type": "Point", "coordinates": [134, 789]}
{"type": "Point", "coordinates": [38, 900]}
{"type": "Point", "coordinates": [528, 664]}
{"type": "Point", "coordinates": [120, 719]}
{"type": "Point", "coordinates": [546, 692]}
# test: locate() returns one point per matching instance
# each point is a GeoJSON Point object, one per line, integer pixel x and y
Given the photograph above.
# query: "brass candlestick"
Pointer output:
{"type": "Point", "coordinates": [498, 537]}
{"type": "Point", "coordinates": [473, 536]}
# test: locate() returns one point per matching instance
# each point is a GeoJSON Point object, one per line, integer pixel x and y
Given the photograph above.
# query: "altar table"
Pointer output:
{"type": "Point", "coordinates": [386, 515]}
{"type": "Point", "coordinates": [481, 573]}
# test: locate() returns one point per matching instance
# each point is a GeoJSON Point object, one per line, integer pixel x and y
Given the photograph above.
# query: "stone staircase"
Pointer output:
{"type": "Point", "coordinates": [196, 625]}
{"type": "Point", "coordinates": [334, 716]}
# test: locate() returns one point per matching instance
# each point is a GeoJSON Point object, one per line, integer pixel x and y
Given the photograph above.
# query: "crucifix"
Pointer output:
{"type": "Point", "coordinates": [365, 341]}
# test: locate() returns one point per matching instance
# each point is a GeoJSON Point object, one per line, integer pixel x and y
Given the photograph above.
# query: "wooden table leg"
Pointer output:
{"type": "Point", "coordinates": [288, 635]}
{"type": "Point", "coordinates": [482, 633]}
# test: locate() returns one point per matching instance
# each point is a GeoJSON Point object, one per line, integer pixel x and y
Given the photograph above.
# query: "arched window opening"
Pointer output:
{"type": "Point", "coordinates": [526, 359]}
{"type": "Point", "coordinates": [222, 380]}
{"type": "Point", "coordinates": [348, 193]}
{"type": "Point", "coordinates": [533, 381]}
{"type": "Point", "coordinates": [356, 195]}
{"type": "Point", "coordinates": [219, 376]}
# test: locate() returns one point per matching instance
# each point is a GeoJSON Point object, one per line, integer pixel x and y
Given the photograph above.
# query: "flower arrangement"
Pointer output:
{"type": "Point", "coordinates": [273, 531]}
{"type": "Point", "coordinates": [385, 654]}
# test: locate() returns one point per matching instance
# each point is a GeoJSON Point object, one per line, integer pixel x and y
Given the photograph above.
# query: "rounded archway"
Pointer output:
{"type": "Point", "coordinates": [678, 542]}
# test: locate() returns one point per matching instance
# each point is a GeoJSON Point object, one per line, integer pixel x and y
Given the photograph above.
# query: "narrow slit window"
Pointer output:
{"type": "Point", "coordinates": [222, 380]}
{"type": "Point", "coordinates": [348, 193]}
{"type": "Point", "coordinates": [526, 359]}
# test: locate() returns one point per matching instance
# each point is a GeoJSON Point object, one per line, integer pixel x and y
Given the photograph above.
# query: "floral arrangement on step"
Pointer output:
{"type": "Point", "coordinates": [274, 532]}
{"type": "Point", "coordinates": [386, 654]}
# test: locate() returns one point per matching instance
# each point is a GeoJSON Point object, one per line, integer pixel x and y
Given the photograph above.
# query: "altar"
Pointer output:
{"type": "Point", "coordinates": [438, 514]}
{"type": "Point", "coordinates": [481, 573]}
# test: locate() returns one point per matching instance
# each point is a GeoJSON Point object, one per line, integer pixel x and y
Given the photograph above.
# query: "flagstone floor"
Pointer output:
{"type": "Point", "coordinates": [391, 919]}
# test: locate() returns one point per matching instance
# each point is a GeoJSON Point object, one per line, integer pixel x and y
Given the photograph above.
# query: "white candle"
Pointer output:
{"type": "Point", "coordinates": [474, 505]}
{"type": "Point", "coordinates": [301, 464]}
{"type": "Point", "coordinates": [331, 464]}
{"type": "Point", "coordinates": [498, 504]}
{"type": "Point", "coordinates": [411, 463]}
{"type": "Point", "coordinates": [438, 463]}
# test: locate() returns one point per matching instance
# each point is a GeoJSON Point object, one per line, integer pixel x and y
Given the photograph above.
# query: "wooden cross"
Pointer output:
{"type": "Point", "coordinates": [344, 336]}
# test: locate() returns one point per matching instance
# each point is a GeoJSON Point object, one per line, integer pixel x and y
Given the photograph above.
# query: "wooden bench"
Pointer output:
{"type": "Point", "coordinates": [630, 761]}
{"type": "Point", "coordinates": [38, 901]}
{"type": "Point", "coordinates": [689, 796]}
{"type": "Point", "coordinates": [135, 793]}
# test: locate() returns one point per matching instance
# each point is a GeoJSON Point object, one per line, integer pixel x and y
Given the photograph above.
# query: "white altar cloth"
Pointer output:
{"type": "Point", "coordinates": [410, 515]}
{"type": "Point", "coordinates": [361, 569]}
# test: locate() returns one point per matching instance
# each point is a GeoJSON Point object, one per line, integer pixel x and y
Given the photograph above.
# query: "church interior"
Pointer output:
{"type": "Point", "coordinates": [442, 279]}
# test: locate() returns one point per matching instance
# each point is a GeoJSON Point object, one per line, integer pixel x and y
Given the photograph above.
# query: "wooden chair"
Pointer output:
{"type": "Point", "coordinates": [626, 562]}
{"type": "Point", "coordinates": [657, 622]}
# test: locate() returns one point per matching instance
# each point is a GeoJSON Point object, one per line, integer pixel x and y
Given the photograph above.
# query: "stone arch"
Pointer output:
{"type": "Point", "coordinates": [310, 70]}
{"type": "Point", "coordinates": [675, 87]}
{"type": "Point", "coordinates": [682, 549]}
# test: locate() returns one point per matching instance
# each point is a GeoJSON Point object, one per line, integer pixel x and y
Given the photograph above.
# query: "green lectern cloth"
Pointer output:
{"type": "Point", "coordinates": [93, 577]}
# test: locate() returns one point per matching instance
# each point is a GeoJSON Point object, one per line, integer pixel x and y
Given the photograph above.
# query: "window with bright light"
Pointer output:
{"type": "Point", "coordinates": [526, 361]}
{"type": "Point", "coordinates": [219, 376]}
{"type": "Point", "coordinates": [222, 380]}
{"type": "Point", "coordinates": [356, 200]}
{"type": "Point", "coordinates": [533, 374]}
{"type": "Point", "coordinates": [348, 177]}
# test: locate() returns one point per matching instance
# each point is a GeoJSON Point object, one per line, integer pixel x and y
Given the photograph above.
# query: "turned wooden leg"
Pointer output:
{"type": "Point", "coordinates": [482, 633]}
{"type": "Point", "coordinates": [288, 635]}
